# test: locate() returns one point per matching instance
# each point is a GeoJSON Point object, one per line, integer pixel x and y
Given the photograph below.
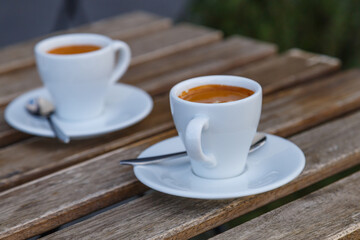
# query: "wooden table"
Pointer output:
{"type": "Point", "coordinates": [45, 184]}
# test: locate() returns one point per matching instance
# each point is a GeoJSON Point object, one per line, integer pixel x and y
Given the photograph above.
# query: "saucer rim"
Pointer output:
{"type": "Point", "coordinates": [20, 126]}
{"type": "Point", "coordinates": [212, 196]}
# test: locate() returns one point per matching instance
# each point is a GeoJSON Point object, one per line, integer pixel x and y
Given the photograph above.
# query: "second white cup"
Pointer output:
{"type": "Point", "coordinates": [217, 136]}
{"type": "Point", "coordinates": [78, 83]}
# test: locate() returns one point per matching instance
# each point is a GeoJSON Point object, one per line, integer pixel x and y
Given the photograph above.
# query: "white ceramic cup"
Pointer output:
{"type": "Point", "coordinates": [78, 83]}
{"type": "Point", "coordinates": [217, 136]}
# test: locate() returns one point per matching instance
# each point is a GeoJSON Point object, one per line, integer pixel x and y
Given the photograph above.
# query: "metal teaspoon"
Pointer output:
{"type": "Point", "coordinates": [43, 108]}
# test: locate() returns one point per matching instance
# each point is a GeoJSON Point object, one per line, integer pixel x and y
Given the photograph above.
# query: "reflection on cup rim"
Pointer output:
{"type": "Point", "coordinates": [214, 79]}
{"type": "Point", "coordinates": [42, 50]}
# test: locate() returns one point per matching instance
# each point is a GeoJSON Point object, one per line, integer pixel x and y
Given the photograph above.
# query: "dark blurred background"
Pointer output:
{"type": "Point", "coordinates": [330, 27]}
{"type": "Point", "coordinates": [21, 20]}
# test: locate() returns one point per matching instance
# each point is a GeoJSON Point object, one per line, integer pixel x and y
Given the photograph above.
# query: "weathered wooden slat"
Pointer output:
{"type": "Point", "coordinates": [329, 149]}
{"type": "Point", "coordinates": [329, 213]}
{"type": "Point", "coordinates": [307, 105]}
{"type": "Point", "coordinates": [173, 40]}
{"type": "Point", "coordinates": [248, 50]}
{"type": "Point", "coordinates": [8, 134]}
{"type": "Point", "coordinates": [300, 67]}
{"type": "Point", "coordinates": [190, 58]}
{"type": "Point", "coordinates": [123, 27]}
{"type": "Point", "coordinates": [145, 48]}
{"type": "Point", "coordinates": [81, 185]}
{"type": "Point", "coordinates": [16, 82]}
{"type": "Point", "coordinates": [319, 165]}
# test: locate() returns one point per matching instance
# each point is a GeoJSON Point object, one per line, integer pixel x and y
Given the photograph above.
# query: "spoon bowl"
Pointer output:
{"type": "Point", "coordinates": [43, 108]}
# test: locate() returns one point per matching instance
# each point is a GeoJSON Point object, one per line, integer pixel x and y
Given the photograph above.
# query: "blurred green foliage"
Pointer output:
{"type": "Point", "coordinates": [330, 27]}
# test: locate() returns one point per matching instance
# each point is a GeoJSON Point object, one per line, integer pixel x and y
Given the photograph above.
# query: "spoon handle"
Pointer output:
{"type": "Point", "coordinates": [57, 131]}
{"type": "Point", "coordinates": [155, 159]}
{"type": "Point", "coordinates": [258, 141]}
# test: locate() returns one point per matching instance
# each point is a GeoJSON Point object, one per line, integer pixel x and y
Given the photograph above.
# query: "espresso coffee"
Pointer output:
{"type": "Point", "coordinates": [74, 49]}
{"type": "Point", "coordinates": [215, 93]}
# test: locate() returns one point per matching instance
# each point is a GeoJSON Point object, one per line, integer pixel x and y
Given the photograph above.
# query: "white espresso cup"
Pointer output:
{"type": "Point", "coordinates": [217, 136]}
{"type": "Point", "coordinates": [78, 83]}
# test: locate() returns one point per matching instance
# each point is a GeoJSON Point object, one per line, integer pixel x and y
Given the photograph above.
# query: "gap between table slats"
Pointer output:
{"type": "Point", "coordinates": [124, 27]}
{"type": "Point", "coordinates": [329, 213]}
{"type": "Point", "coordinates": [75, 191]}
{"type": "Point", "coordinates": [329, 149]}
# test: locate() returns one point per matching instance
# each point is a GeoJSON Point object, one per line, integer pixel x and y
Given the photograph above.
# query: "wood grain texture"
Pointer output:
{"type": "Point", "coordinates": [123, 27]}
{"type": "Point", "coordinates": [329, 149]}
{"type": "Point", "coordinates": [246, 51]}
{"type": "Point", "coordinates": [8, 134]}
{"type": "Point", "coordinates": [87, 185]}
{"type": "Point", "coordinates": [320, 164]}
{"type": "Point", "coordinates": [145, 48]}
{"type": "Point", "coordinates": [176, 39]}
{"type": "Point", "coordinates": [329, 213]}
{"type": "Point", "coordinates": [310, 104]}
{"type": "Point", "coordinates": [194, 56]}
{"type": "Point", "coordinates": [300, 67]}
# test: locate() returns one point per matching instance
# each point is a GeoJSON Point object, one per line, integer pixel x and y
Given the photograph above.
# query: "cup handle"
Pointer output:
{"type": "Point", "coordinates": [123, 60]}
{"type": "Point", "coordinates": [193, 141]}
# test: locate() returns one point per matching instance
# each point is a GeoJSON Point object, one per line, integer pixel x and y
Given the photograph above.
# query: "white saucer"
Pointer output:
{"type": "Point", "coordinates": [125, 106]}
{"type": "Point", "coordinates": [276, 163]}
